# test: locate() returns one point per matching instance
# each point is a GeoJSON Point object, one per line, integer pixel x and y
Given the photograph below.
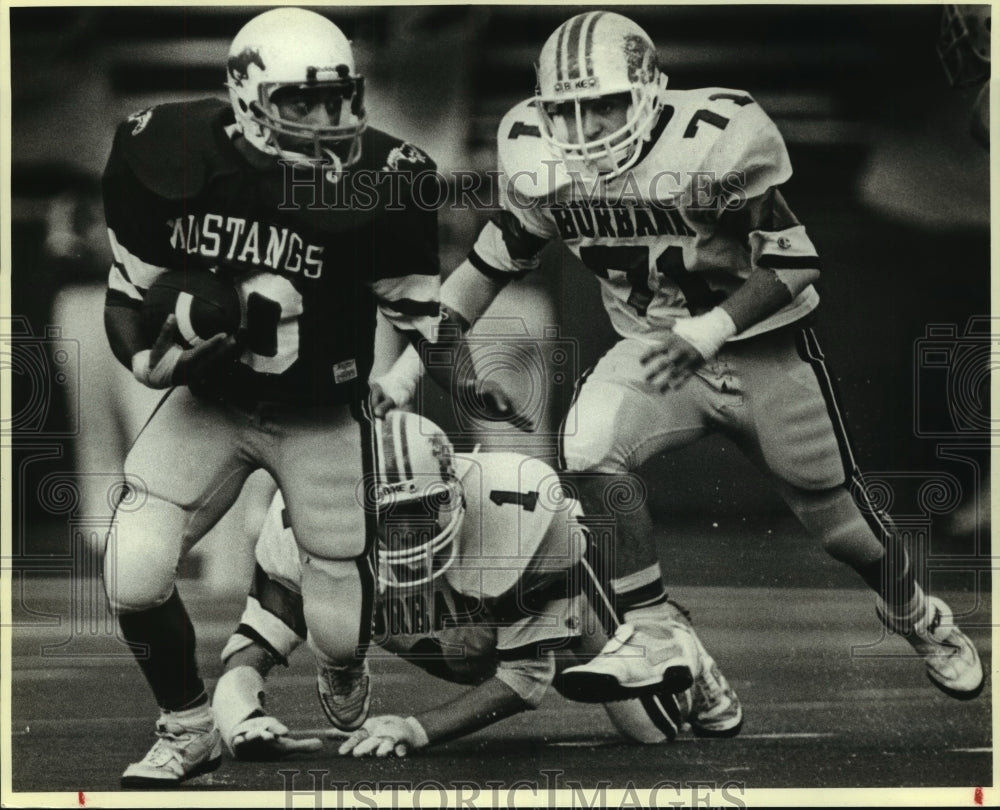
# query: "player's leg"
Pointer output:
{"type": "Point", "coordinates": [710, 705]}
{"type": "Point", "coordinates": [796, 430]}
{"type": "Point", "coordinates": [182, 475]}
{"type": "Point", "coordinates": [321, 466]}
{"type": "Point", "coordinates": [271, 628]}
{"type": "Point", "coordinates": [614, 425]}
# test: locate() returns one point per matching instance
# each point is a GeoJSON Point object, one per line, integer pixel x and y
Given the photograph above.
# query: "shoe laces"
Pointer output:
{"type": "Point", "coordinates": [344, 681]}
{"type": "Point", "coordinates": [166, 747]}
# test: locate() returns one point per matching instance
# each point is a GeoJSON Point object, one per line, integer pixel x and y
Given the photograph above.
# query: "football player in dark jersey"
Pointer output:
{"type": "Point", "coordinates": [248, 191]}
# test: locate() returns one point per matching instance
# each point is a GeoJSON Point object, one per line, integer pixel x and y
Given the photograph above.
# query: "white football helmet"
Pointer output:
{"type": "Point", "coordinates": [594, 54]}
{"type": "Point", "coordinates": [295, 48]}
{"type": "Point", "coordinates": [420, 500]}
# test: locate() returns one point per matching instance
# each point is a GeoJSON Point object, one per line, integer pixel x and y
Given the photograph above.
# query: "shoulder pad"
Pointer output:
{"type": "Point", "coordinates": [749, 144]}
{"type": "Point", "coordinates": [174, 148]}
{"type": "Point", "coordinates": [524, 157]}
{"type": "Point", "coordinates": [512, 500]}
{"type": "Point", "coordinates": [383, 152]}
{"type": "Point", "coordinates": [717, 133]}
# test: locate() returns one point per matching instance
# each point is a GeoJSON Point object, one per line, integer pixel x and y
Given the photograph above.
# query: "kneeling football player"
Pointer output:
{"type": "Point", "coordinates": [485, 580]}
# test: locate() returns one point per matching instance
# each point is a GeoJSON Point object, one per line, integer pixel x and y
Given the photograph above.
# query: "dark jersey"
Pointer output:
{"type": "Point", "coordinates": [313, 253]}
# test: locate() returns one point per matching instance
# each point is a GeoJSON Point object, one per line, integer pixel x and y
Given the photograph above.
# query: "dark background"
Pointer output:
{"type": "Point", "coordinates": [890, 185]}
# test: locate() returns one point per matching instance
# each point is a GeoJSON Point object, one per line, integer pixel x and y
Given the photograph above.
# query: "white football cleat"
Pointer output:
{"type": "Point", "coordinates": [632, 663]}
{"type": "Point", "coordinates": [715, 708]}
{"type": "Point", "coordinates": [953, 664]}
{"type": "Point", "coordinates": [345, 694]}
{"type": "Point", "coordinates": [189, 745]}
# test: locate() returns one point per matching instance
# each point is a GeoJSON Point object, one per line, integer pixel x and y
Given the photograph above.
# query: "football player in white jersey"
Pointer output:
{"type": "Point", "coordinates": [672, 198]}
{"type": "Point", "coordinates": [485, 580]}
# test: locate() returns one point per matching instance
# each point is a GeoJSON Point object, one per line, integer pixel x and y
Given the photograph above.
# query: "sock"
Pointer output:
{"type": "Point", "coordinates": [199, 716]}
{"type": "Point", "coordinates": [163, 641]}
{"type": "Point", "coordinates": [639, 590]}
{"type": "Point", "coordinates": [892, 578]}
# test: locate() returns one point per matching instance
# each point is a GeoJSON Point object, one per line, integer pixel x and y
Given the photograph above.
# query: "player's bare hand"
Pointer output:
{"type": "Point", "coordinates": [381, 403]}
{"type": "Point", "coordinates": [267, 738]}
{"type": "Point", "coordinates": [496, 405]}
{"type": "Point", "coordinates": [167, 364]}
{"type": "Point", "coordinates": [381, 737]}
{"type": "Point", "coordinates": [670, 365]}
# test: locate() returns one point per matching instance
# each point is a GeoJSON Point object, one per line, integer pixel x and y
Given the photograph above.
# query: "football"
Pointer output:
{"type": "Point", "coordinates": [204, 303]}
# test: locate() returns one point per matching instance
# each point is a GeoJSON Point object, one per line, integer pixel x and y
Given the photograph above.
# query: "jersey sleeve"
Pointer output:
{"type": "Point", "coordinates": [134, 216]}
{"type": "Point", "coordinates": [527, 647]}
{"type": "Point", "coordinates": [407, 280]}
{"type": "Point", "coordinates": [778, 242]}
{"type": "Point", "coordinates": [528, 677]}
{"type": "Point", "coordinates": [510, 244]}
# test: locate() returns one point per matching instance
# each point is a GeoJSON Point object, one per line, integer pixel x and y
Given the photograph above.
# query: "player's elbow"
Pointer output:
{"type": "Point", "coordinates": [798, 278]}
{"type": "Point", "coordinates": [121, 326]}
{"type": "Point", "coordinates": [527, 679]}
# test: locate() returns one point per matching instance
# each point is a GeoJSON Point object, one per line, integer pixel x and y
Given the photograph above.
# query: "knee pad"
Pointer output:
{"type": "Point", "coordinates": [143, 549]}
{"type": "Point", "coordinates": [334, 536]}
{"type": "Point", "coordinates": [337, 601]}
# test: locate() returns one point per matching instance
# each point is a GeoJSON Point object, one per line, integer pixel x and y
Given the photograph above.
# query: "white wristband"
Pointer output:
{"type": "Point", "coordinates": [160, 376]}
{"type": "Point", "coordinates": [708, 332]}
{"type": "Point", "coordinates": [400, 382]}
{"type": "Point", "coordinates": [140, 365]}
{"type": "Point", "coordinates": [420, 738]}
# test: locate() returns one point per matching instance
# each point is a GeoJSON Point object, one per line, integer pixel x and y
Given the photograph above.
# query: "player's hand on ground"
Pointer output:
{"type": "Point", "coordinates": [266, 738]}
{"type": "Point", "coordinates": [381, 736]}
{"type": "Point", "coordinates": [381, 403]}
{"type": "Point", "coordinates": [670, 365]}
{"type": "Point", "coordinates": [167, 364]}
{"type": "Point", "coordinates": [496, 405]}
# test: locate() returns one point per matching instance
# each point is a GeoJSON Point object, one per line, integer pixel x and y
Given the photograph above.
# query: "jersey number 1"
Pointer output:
{"type": "Point", "coordinates": [526, 500]}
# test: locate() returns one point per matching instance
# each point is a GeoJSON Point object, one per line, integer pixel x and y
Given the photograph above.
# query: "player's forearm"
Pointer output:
{"type": "Point", "coordinates": [390, 343]}
{"type": "Point", "coordinates": [469, 293]}
{"type": "Point", "coordinates": [784, 258]}
{"type": "Point", "coordinates": [124, 331]}
{"type": "Point", "coordinates": [448, 361]}
{"type": "Point", "coordinates": [761, 295]}
{"type": "Point", "coordinates": [489, 702]}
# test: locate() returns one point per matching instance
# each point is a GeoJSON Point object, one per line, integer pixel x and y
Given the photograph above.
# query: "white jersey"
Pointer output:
{"type": "Point", "coordinates": [654, 235]}
{"type": "Point", "coordinates": [510, 588]}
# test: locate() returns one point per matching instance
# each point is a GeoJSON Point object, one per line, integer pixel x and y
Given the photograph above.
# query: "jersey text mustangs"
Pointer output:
{"type": "Point", "coordinates": [185, 192]}
{"type": "Point", "coordinates": [234, 239]}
